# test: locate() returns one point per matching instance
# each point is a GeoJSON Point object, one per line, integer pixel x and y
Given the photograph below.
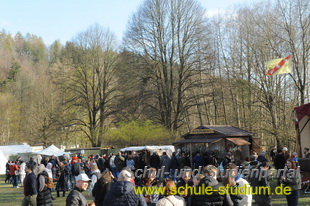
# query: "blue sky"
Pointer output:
{"type": "Point", "coordinates": [63, 19]}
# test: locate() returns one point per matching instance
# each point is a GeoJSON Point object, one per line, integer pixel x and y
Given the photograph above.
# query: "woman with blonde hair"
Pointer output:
{"type": "Point", "coordinates": [95, 176]}
{"type": "Point", "coordinates": [44, 197]}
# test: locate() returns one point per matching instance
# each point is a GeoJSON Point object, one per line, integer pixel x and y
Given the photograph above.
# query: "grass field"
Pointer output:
{"type": "Point", "coordinates": [10, 196]}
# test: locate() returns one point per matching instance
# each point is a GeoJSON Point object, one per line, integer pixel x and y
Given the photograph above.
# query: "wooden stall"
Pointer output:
{"type": "Point", "coordinates": [219, 139]}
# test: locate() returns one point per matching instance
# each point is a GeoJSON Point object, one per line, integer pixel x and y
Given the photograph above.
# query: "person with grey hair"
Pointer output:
{"type": "Point", "coordinates": [122, 192]}
{"type": "Point", "coordinates": [262, 157]}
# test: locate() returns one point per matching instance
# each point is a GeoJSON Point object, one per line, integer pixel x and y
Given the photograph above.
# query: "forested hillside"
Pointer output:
{"type": "Point", "coordinates": [176, 68]}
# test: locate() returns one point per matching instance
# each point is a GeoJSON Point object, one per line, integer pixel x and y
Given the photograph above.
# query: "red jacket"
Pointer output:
{"type": "Point", "coordinates": [13, 168]}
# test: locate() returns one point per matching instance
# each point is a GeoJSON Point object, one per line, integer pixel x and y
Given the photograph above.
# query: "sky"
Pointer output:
{"type": "Point", "coordinates": [64, 19]}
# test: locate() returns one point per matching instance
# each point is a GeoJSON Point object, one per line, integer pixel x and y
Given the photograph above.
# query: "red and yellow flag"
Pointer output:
{"type": "Point", "coordinates": [279, 66]}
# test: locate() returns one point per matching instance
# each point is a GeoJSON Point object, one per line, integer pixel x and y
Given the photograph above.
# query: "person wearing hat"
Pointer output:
{"type": "Point", "coordinates": [76, 198]}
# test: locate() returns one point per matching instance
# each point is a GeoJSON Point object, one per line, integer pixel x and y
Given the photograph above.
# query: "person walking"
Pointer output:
{"type": "Point", "coordinates": [14, 172]}
{"type": "Point", "coordinates": [62, 183]}
{"type": "Point", "coordinates": [30, 187]}
{"type": "Point", "coordinates": [44, 197]}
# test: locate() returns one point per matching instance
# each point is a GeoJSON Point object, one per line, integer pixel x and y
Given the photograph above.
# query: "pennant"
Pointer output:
{"type": "Point", "coordinates": [279, 66]}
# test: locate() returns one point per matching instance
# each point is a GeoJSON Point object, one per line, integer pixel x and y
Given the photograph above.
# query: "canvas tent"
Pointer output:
{"type": "Point", "coordinates": [11, 150]}
{"type": "Point", "coordinates": [3, 161]}
{"type": "Point", "coordinates": [159, 149]}
{"type": "Point", "coordinates": [52, 150]}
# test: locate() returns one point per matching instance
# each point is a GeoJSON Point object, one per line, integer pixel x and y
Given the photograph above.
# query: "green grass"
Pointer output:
{"type": "Point", "coordinates": [10, 196]}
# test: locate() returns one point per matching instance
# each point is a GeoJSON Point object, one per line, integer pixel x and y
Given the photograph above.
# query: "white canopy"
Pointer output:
{"type": "Point", "coordinates": [149, 148]}
{"type": "Point", "coordinates": [3, 161]}
{"type": "Point", "coordinates": [52, 150]}
{"type": "Point", "coordinates": [10, 150]}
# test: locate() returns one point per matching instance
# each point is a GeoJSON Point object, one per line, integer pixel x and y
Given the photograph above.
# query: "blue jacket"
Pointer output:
{"type": "Point", "coordinates": [30, 184]}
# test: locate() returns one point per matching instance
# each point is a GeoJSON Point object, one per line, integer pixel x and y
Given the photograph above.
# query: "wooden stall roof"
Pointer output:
{"type": "Point", "coordinates": [238, 141]}
{"type": "Point", "coordinates": [201, 140]}
{"type": "Point", "coordinates": [218, 131]}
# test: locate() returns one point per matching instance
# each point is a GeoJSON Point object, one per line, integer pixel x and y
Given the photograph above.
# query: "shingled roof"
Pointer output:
{"type": "Point", "coordinates": [219, 131]}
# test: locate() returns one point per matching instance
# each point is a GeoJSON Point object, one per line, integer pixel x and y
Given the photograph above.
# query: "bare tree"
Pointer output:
{"type": "Point", "coordinates": [168, 35]}
{"type": "Point", "coordinates": [91, 80]}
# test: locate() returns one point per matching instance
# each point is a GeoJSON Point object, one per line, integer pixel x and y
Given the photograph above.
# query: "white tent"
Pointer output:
{"type": "Point", "coordinates": [159, 149]}
{"type": "Point", "coordinates": [150, 148]}
{"type": "Point", "coordinates": [3, 161]}
{"type": "Point", "coordinates": [11, 150]}
{"type": "Point", "coordinates": [52, 150]}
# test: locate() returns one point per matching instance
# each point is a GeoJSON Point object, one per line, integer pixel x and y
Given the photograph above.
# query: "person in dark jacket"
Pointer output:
{"type": "Point", "coordinates": [209, 159]}
{"type": "Point", "coordinates": [155, 160]}
{"type": "Point", "coordinates": [75, 197]}
{"type": "Point", "coordinates": [122, 192]}
{"type": "Point", "coordinates": [279, 160]}
{"type": "Point", "coordinates": [102, 186]}
{"type": "Point", "coordinates": [44, 197]}
{"type": "Point", "coordinates": [165, 162]}
{"type": "Point", "coordinates": [261, 181]}
{"type": "Point", "coordinates": [120, 163]}
{"type": "Point", "coordinates": [273, 153]}
{"type": "Point", "coordinates": [101, 164]}
{"type": "Point", "coordinates": [227, 159]}
{"type": "Point", "coordinates": [174, 166]}
{"type": "Point", "coordinates": [262, 157]}
{"type": "Point", "coordinates": [30, 187]}
{"type": "Point", "coordinates": [185, 182]}
{"type": "Point", "coordinates": [186, 162]}
{"type": "Point", "coordinates": [306, 153]}
{"type": "Point", "coordinates": [198, 160]}
{"type": "Point", "coordinates": [210, 180]}
{"type": "Point", "coordinates": [62, 183]}
{"type": "Point", "coordinates": [75, 170]}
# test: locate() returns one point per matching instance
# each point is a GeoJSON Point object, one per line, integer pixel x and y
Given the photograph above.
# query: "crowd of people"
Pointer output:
{"type": "Point", "coordinates": [111, 179]}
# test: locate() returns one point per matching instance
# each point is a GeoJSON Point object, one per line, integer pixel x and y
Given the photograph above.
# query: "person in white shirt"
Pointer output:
{"type": "Point", "coordinates": [22, 173]}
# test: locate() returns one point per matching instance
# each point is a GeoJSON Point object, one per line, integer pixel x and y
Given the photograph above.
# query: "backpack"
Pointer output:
{"type": "Point", "coordinates": [49, 183]}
